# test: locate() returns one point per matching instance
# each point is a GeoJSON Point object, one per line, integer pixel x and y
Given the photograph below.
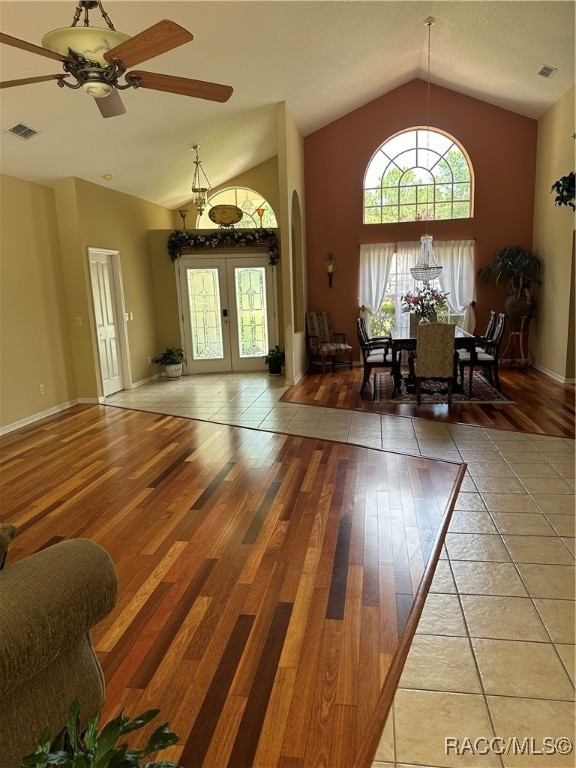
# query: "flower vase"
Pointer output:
{"type": "Point", "coordinates": [423, 321]}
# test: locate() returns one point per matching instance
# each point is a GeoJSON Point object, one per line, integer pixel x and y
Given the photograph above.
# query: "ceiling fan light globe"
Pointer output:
{"type": "Point", "coordinates": [97, 89]}
{"type": "Point", "coordinates": [91, 42]}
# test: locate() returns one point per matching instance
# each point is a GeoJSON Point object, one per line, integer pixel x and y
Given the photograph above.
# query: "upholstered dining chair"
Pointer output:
{"type": "Point", "coordinates": [485, 356]}
{"type": "Point", "coordinates": [434, 357]}
{"type": "Point", "coordinates": [376, 351]}
{"type": "Point", "coordinates": [323, 342]}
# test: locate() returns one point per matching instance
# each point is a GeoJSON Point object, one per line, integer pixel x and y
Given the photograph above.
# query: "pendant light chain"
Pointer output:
{"type": "Point", "coordinates": [429, 23]}
{"type": "Point", "coordinates": [427, 268]}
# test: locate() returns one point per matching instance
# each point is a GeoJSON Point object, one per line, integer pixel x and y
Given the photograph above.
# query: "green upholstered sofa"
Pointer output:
{"type": "Point", "coordinates": [48, 603]}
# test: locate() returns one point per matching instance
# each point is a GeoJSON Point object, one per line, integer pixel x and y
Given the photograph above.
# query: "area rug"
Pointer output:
{"type": "Point", "coordinates": [435, 391]}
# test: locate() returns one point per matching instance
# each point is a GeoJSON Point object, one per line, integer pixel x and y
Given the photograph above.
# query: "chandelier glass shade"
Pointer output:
{"type": "Point", "coordinates": [86, 46]}
{"type": "Point", "coordinates": [200, 184]}
{"type": "Point", "coordinates": [427, 268]}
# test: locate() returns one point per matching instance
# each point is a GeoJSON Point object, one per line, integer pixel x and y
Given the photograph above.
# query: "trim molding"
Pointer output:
{"type": "Point", "coordinates": [42, 415]}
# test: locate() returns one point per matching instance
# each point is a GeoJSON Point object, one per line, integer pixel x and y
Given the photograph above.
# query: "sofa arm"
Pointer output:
{"type": "Point", "coordinates": [47, 602]}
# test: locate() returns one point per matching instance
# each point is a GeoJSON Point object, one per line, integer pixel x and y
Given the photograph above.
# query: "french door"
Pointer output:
{"type": "Point", "coordinates": [228, 312]}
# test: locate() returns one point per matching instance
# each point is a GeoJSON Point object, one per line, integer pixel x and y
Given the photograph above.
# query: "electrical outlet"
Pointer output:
{"type": "Point", "coordinates": [41, 389]}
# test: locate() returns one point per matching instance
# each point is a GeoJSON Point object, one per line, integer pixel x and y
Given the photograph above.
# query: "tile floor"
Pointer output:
{"type": "Point", "coordinates": [491, 671]}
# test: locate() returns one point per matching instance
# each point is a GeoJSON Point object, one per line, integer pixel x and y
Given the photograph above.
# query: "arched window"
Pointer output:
{"type": "Point", "coordinates": [416, 175]}
{"type": "Point", "coordinates": [248, 201]}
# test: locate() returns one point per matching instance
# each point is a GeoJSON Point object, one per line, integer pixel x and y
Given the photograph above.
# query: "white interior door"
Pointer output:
{"type": "Point", "coordinates": [228, 312]}
{"type": "Point", "coordinates": [105, 313]}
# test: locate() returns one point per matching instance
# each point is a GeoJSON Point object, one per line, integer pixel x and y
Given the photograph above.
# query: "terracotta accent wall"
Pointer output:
{"type": "Point", "coordinates": [502, 149]}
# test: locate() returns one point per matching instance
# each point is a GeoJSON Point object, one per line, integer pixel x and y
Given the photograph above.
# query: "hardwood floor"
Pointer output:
{"type": "Point", "coordinates": [540, 404]}
{"type": "Point", "coordinates": [269, 583]}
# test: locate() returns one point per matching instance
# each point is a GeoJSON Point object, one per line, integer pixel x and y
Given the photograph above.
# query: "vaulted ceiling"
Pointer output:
{"type": "Point", "coordinates": [323, 59]}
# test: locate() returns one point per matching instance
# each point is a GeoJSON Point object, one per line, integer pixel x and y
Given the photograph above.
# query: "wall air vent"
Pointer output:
{"type": "Point", "coordinates": [547, 71]}
{"type": "Point", "coordinates": [22, 131]}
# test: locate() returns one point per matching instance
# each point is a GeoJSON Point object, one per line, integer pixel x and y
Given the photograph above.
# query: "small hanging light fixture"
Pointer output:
{"type": "Point", "coordinates": [200, 183]}
{"type": "Point", "coordinates": [183, 213]}
{"type": "Point", "coordinates": [330, 259]}
{"type": "Point", "coordinates": [427, 268]}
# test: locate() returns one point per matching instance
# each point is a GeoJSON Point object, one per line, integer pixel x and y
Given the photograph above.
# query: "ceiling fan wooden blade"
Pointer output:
{"type": "Point", "coordinates": [111, 105]}
{"type": "Point", "coordinates": [184, 86]}
{"type": "Point", "coordinates": [29, 80]}
{"type": "Point", "coordinates": [160, 38]}
{"type": "Point", "coordinates": [30, 47]}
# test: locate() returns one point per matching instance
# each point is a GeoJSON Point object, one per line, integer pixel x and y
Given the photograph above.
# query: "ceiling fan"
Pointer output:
{"type": "Point", "coordinates": [95, 58]}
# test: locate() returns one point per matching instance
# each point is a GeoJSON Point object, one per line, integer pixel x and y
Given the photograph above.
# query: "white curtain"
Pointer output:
{"type": "Point", "coordinates": [456, 257]}
{"type": "Point", "coordinates": [375, 263]}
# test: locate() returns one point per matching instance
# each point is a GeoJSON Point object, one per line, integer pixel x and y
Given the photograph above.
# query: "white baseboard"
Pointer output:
{"type": "Point", "coordinates": [38, 416]}
{"type": "Point", "coordinates": [553, 375]}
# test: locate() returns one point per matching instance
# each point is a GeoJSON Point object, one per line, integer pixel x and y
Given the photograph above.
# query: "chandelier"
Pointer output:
{"type": "Point", "coordinates": [200, 184]}
{"type": "Point", "coordinates": [427, 268]}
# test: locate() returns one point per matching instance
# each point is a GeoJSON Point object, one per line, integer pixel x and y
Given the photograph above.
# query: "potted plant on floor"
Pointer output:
{"type": "Point", "coordinates": [172, 359]}
{"type": "Point", "coordinates": [519, 268]}
{"type": "Point", "coordinates": [274, 360]}
{"type": "Point", "coordinates": [98, 747]}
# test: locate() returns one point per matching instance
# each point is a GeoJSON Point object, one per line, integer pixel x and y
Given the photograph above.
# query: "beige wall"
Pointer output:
{"type": "Point", "coordinates": [46, 306]}
{"type": "Point", "coordinates": [292, 238]}
{"type": "Point", "coordinates": [263, 178]}
{"type": "Point", "coordinates": [34, 329]}
{"type": "Point", "coordinates": [120, 222]}
{"type": "Point", "coordinates": [553, 241]}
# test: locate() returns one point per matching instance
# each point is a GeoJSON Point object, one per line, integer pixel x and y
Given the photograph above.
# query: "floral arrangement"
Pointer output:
{"type": "Point", "coordinates": [424, 301]}
{"type": "Point", "coordinates": [224, 238]}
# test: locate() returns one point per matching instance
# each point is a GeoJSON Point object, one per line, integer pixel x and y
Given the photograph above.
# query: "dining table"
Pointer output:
{"type": "Point", "coordinates": [407, 341]}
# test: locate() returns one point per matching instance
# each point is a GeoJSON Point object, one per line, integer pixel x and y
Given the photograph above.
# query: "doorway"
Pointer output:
{"type": "Point", "coordinates": [107, 298]}
{"type": "Point", "coordinates": [229, 318]}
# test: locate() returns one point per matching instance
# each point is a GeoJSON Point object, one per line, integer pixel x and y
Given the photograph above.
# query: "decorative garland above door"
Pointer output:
{"type": "Point", "coordinates": [181, 240]}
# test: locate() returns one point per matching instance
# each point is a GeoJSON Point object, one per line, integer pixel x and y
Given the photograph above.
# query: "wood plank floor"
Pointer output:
{"type": "Point", "coordinates": [540, 404]}
{"type": "Point", "coordinates": [269, 583]}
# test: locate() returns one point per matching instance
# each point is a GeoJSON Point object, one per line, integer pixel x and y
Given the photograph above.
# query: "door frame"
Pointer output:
{"type": "Point", "coordinates": [218, 254]}
{"type": "Point", "coordinates": [121, 315]}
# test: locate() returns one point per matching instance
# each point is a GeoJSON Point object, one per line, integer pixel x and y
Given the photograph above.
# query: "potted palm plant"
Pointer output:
{"type": "Point", "coordinates": [172, 359]}
{"type": "Point", "coordinates": [274, 360]}
{"type": "Point", "coordinates": [518, 268]}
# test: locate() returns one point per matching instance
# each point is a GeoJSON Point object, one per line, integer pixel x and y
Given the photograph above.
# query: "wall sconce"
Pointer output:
{"type": "Point", "coordinates": [330, 259]}
{"type": "Point", "coordinates": [183, 213]}
{"type": "Point", "coordinates": [260, 212]}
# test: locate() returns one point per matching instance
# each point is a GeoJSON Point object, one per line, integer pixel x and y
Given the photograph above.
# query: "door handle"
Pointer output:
{"type": "Point", "coordinates": [224, 313]}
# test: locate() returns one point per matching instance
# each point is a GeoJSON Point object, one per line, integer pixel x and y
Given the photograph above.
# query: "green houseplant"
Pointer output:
{"type": "Point", "coordinates": [172, 359]}
{"type": "Point", "coordinates": [564, 189]}
{"type": "Point", "coordinates": [518, 268]}
{"type": "Point", "coordinates": [98, 747]}
{"type": "Point", "coordinates": [274, 360]}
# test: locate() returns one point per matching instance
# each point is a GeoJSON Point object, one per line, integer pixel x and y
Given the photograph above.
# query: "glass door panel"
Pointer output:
{"type": "Point", "coordinates": [205, 314]}
{"type": "Point", "coordinates": [251, 318]}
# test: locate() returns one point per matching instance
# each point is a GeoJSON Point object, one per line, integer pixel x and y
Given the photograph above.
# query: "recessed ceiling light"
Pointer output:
{"type": "Point", "coordinates": [108, 176]}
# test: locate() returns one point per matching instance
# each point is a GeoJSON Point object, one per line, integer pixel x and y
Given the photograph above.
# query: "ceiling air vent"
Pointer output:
{"type": "Point", "coordinates": [547, 71]}
{"type": "Point", "coordinates": [22, 131]}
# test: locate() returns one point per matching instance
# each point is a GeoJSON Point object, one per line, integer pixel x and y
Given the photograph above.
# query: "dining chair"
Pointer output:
{"type": "Point", "coordinates": [376, 351]}
{"type": "Point", "coordinates": [434, 358]}
{"type": "Point", "coordinates": [323, 342]}
{"type": "Point", "coordinates": [485, 355]}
